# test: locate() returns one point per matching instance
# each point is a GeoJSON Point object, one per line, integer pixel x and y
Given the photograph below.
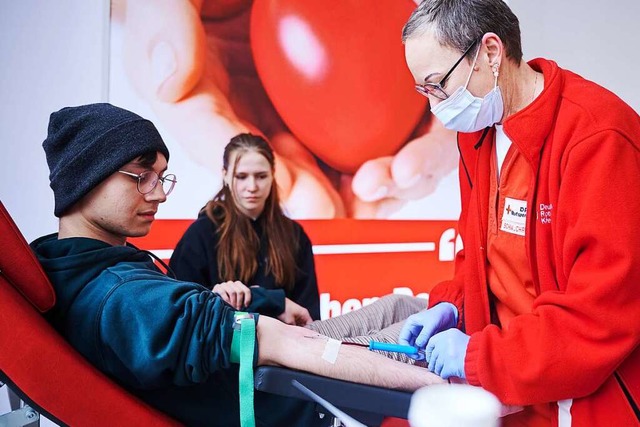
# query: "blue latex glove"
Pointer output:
{"type": "Point", "coordinates": [418, 328]}
{"type": "Point", "coordinates": [445, 353]}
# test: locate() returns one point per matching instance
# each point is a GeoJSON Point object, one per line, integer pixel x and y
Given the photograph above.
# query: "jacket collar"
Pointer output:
{"type": "Point", "coordinates": [529, 127]}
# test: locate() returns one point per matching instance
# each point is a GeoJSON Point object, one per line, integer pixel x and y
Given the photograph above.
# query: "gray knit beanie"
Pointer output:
{"type": "Point", "coordinates": [88, 143]}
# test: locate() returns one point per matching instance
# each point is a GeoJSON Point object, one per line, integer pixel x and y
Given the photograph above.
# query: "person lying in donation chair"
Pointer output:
{"type": "Point", "coordinates": [174, 344]}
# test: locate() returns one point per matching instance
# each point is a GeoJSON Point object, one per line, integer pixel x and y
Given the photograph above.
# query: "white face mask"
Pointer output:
{"type": "Point", "coordinates": [464, 112]}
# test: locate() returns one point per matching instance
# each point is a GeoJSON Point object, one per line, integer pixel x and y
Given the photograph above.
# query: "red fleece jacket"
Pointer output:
{"type": "Point", "coordinates": [579, 344]}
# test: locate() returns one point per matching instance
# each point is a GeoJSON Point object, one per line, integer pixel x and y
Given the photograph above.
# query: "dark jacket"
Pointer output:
{"type": "Point", "coordinates": [165, 340]}
{"type": "Point", "coordinates": [195, 259]}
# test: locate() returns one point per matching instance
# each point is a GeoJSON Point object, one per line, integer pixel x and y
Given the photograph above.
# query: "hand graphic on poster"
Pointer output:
{"type": "Point", "coordinates": [192, 62]}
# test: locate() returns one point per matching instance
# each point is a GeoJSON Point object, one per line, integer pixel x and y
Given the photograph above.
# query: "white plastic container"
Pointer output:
{"type": "Point", "coordinates": [454, 405]}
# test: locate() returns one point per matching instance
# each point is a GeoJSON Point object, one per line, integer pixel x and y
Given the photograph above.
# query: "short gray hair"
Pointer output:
{"type": "Point", "coordinates": [460, 23]}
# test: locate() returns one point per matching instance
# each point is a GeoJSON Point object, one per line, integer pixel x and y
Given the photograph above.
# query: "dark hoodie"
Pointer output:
{"type": "Point", "coordinates": [195, 259]}
{"type": "Point", "coordinates": [165, 340]}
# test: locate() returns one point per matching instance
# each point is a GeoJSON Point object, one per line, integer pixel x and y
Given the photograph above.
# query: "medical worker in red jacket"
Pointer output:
{"type": "Point", "coordinates": [543, 310]}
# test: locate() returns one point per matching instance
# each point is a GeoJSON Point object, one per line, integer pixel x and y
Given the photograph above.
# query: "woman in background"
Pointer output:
{"type": "Point", "coordinates": [244, 248]}
{"type": "Point", "coordinates": [247, 251]}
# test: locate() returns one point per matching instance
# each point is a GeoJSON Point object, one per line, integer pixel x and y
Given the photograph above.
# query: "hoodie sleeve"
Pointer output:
{"type": "Point", "coordinates": [269, 302]}
{"type": "Point", "coordinates": [177, 332]}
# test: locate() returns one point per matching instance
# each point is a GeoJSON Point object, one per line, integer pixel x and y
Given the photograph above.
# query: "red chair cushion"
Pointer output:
{"type": "Point", "coordinates": [21, 268]}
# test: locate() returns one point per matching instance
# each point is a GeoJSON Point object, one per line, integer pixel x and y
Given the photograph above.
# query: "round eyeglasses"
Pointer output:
{"type": "Point", "coordinates": [437, 89]}
{"type": "Point", "coordinates": [148, 180]}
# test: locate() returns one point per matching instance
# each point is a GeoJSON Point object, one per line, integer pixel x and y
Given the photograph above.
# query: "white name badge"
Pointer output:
{"type": "Point", "coordinates": [514, 216]}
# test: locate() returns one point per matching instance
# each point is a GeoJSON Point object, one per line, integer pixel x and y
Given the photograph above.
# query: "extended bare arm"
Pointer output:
{"type": "Point", "coordinates": [292, 347]}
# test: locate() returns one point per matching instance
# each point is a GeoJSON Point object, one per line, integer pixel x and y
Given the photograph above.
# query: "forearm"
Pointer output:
{"type": "Point", "coordinates": [302, 349]}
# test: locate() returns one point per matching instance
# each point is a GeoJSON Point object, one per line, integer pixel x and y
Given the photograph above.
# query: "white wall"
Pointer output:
{"type": "Point", "coordinates": [594, 38]}
{"type": "Point", "coordinates": [52, 54]}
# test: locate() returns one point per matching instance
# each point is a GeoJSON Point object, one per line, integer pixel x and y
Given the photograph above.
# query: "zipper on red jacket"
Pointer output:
{"type": "Point", "coordinates": [482, 259]}
{"type": "Point", "coordinates": [632, 402]}
{"type": "Point", "coordinates": [531, 225]}
{"type": "Point", "coordinates": [531, 219]}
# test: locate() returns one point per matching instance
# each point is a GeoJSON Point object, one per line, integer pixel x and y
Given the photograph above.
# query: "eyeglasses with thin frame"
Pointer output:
{"type": "Point", "coordinates": [436, 89]}
{"type": "Point", "coordinates": [148, 180]}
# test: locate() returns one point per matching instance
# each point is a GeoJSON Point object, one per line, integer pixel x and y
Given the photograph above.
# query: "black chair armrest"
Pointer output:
{"type": "Point", "coordinates": [368, 404]}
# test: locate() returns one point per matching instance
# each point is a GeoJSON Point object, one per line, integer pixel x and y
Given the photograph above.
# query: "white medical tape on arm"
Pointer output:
{"type": "Point", "coordinates": [331, 349]}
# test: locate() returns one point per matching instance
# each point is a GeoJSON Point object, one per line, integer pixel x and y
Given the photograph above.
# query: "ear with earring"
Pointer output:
{"type": "Point", "coordinates": [496, 69]}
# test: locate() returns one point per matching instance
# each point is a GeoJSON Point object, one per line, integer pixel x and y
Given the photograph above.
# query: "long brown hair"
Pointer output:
{"type": "Point", "coordinates": [238, 242]}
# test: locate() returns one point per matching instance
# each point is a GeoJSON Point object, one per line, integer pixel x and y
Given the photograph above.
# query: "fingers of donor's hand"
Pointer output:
{"type": "Point", "coordinates": [163, 47]}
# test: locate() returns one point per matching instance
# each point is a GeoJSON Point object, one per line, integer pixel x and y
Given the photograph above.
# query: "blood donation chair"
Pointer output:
{"type": "Point", "coordinates": [52, 379]}
{"type": "Point", "coordinates": [38, 365]}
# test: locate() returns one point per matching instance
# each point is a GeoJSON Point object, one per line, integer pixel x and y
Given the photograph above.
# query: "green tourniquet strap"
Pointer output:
{"type": "Point", "coordinates": [247, 345]}
{"type": "Point", "coordinates": [235, 346]}
{"type": "Point", "coordinates": [242, 349]}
